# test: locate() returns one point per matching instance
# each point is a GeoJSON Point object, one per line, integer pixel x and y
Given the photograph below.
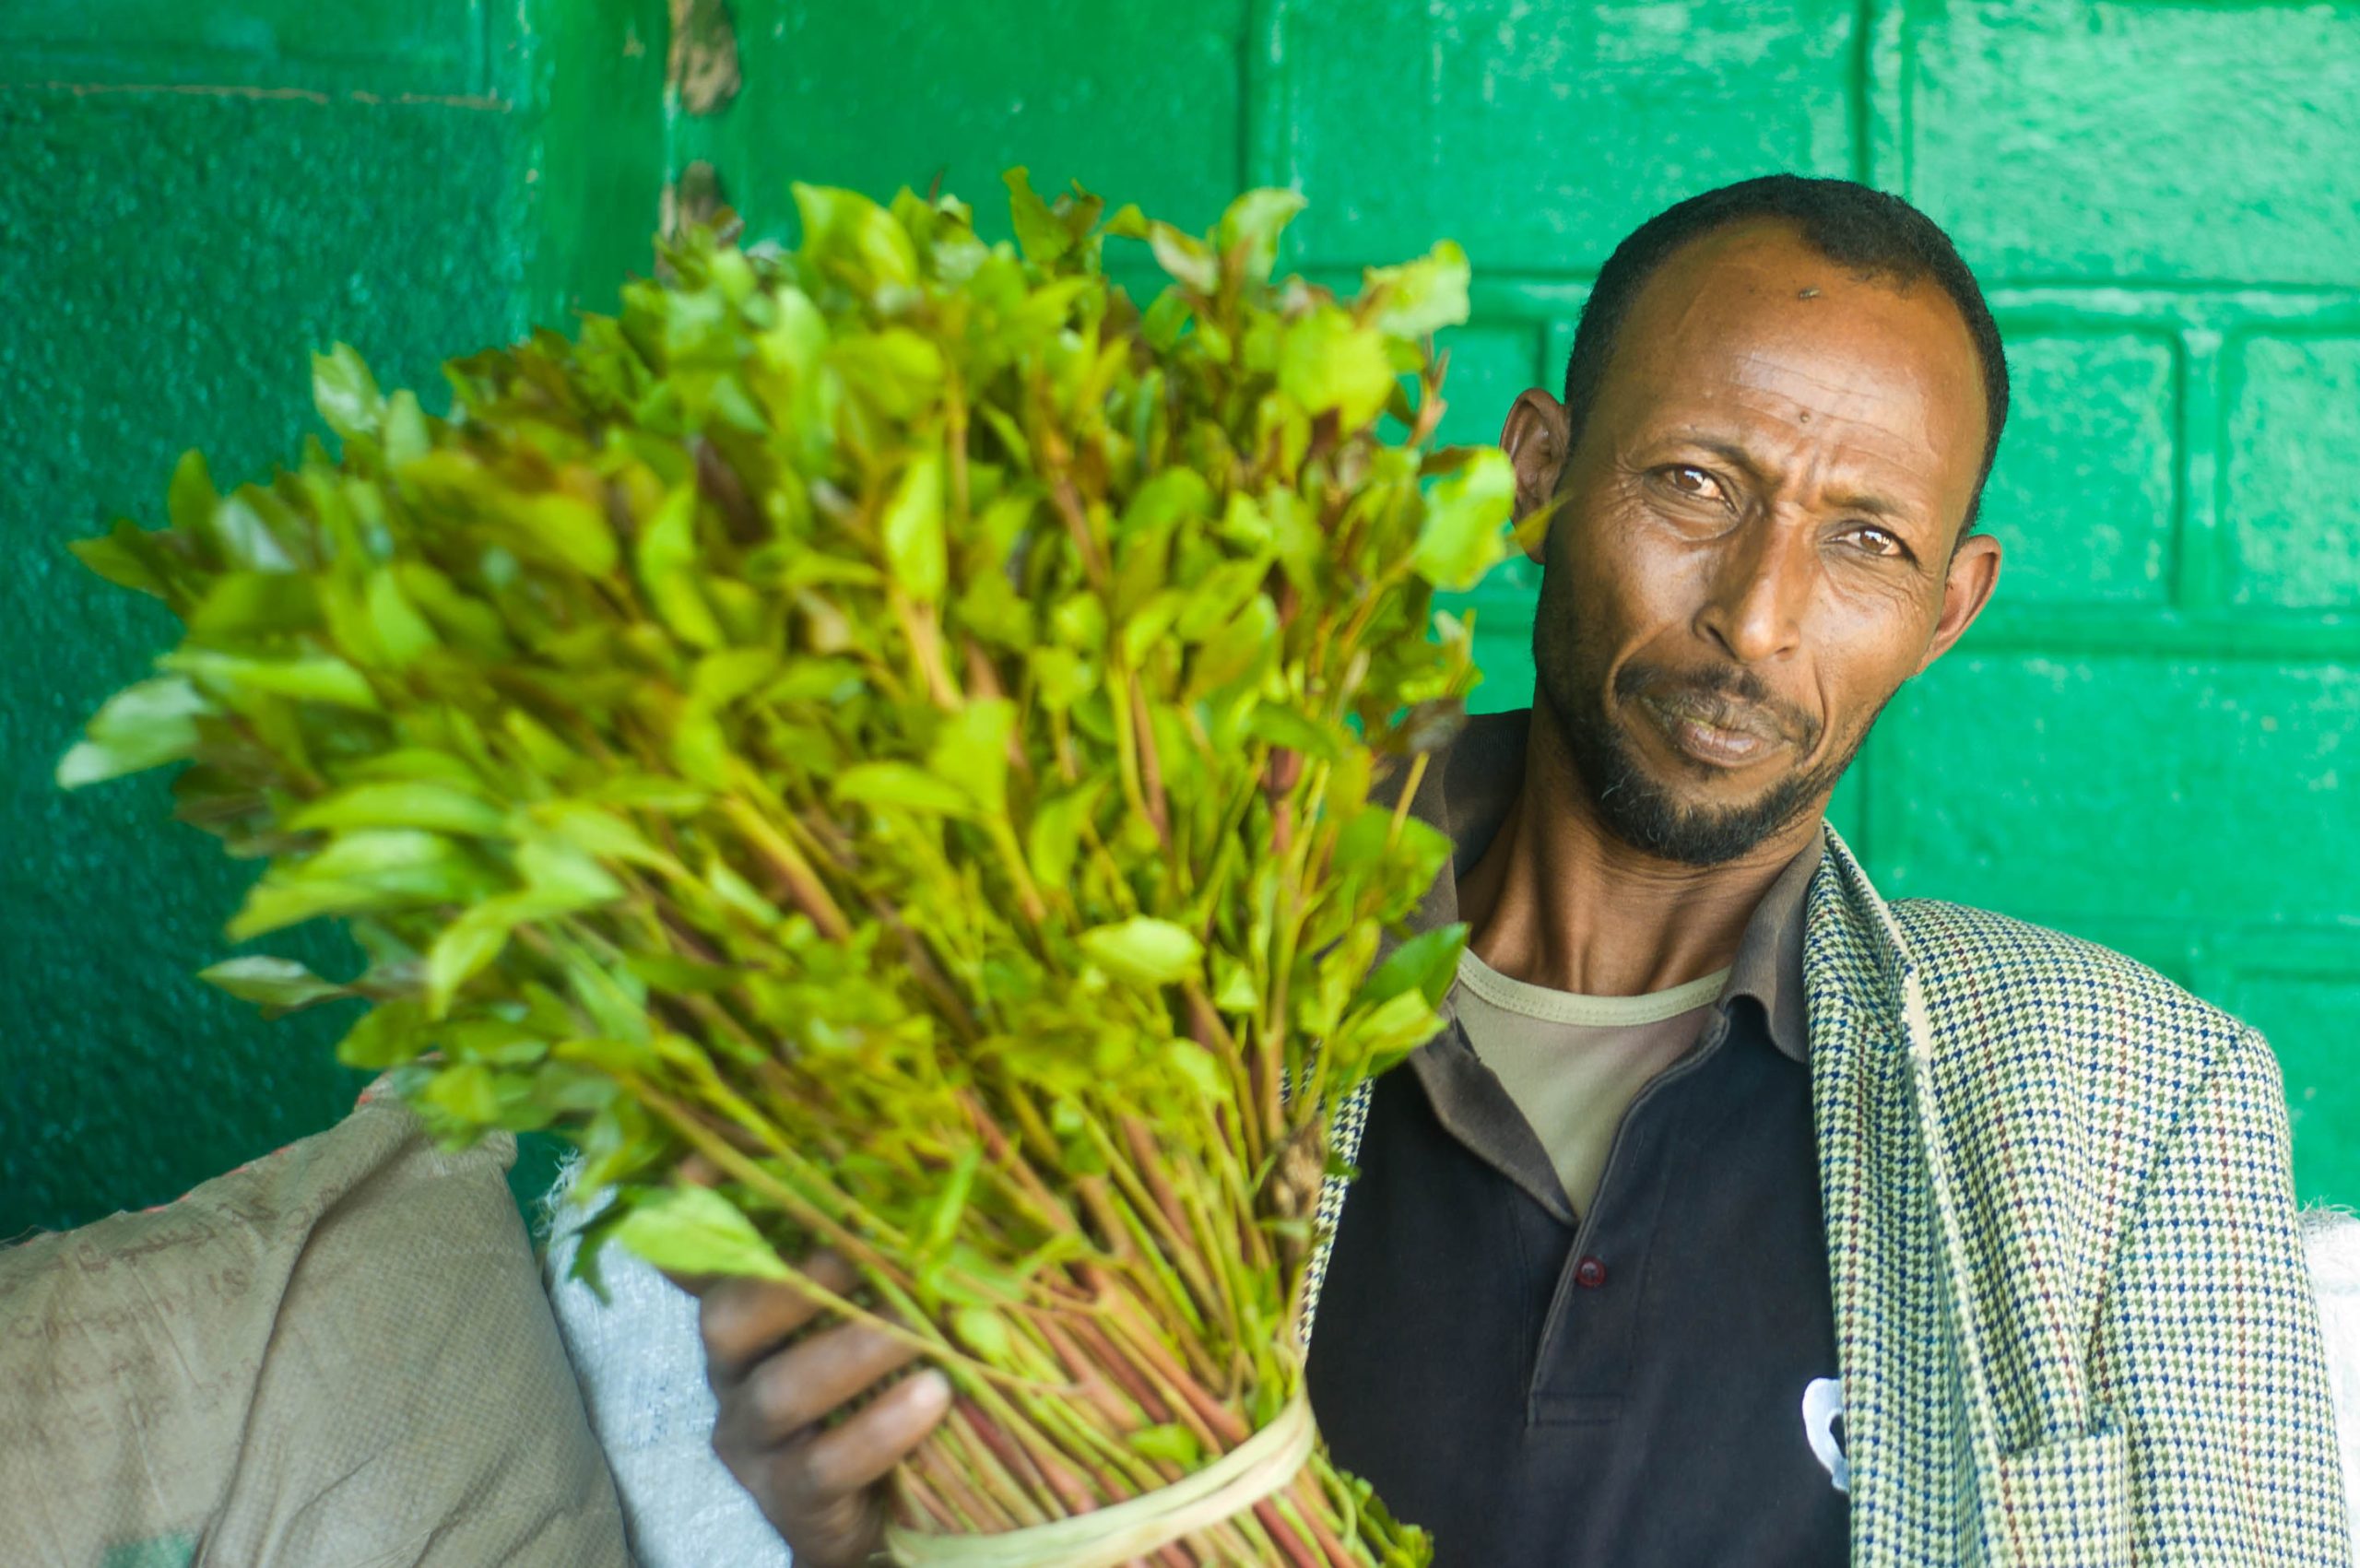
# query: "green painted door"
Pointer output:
{"type": "Point", "coordinates": [2141, 743]}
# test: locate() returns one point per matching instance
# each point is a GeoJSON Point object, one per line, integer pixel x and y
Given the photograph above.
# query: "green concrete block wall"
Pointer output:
{"type": "Point", "coordinates": [199, 196]}
{"type": "Point", "coordinates": [2151, 741]}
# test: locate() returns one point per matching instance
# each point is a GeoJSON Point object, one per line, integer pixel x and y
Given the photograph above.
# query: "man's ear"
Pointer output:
{"type": "Point", "coordinates": [1534, 438]}
{"type": "Point", "coordinates": [1974, 572]}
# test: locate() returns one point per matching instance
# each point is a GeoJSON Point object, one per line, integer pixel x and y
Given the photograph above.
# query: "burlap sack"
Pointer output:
{"type": "Point", "coordinates": [338, 1355]}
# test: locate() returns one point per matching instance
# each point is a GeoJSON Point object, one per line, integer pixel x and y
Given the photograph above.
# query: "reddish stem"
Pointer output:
{"type": "Point", "coordinates": [1309, 1504]}
{"type": "Point", "coordinates": [801, 884]}
{"type": "Point", "coordinates": [1092, 1373]}
{"type": "Point", "coordinates": [1011, 1457]}
{"type": "Point", "coordinates": [921, 1503]}
{"type": "Point", "coordinates": [1150, 1164]}
{"type": "Point", "coordinates": [1151, 764]}
{"type": "Point", "coordinates": [1093, 1350]}
{"type": "Point", "coordinates": [1298, 1554]}
{"type": "Point", "coordinates": [1077, 521]}
{"type": "Point", "coordinates": [1226, 1424]}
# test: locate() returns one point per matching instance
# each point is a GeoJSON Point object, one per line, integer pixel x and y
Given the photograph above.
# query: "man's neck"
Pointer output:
{"type": "Point", "coordinates": [1558, 899]}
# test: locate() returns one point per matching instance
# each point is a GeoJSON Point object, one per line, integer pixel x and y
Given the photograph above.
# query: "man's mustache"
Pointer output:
{"type": "Point", "coordinates": [1730, 697]}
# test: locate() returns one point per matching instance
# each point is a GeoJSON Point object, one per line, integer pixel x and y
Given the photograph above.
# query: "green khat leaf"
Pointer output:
{"type": "Point", "coordinates": [561, 878]}
{"type": "Point", "coordinates": [279, 985]}
{"type": "Point", "coordinates": [1037, 229]}
{"type": "Point", "coordinates": [317, 679]}
{"type": "Point", "coordinates": [1390, 1030]}
{"type": "Point", "coordinates": [1199, 1067]}
{"type": "Point", "coordinates": [1144, 950]}
{"type": "Point", "coordinates": [463, 950]}
{"type": "Point", "coordinates": [914, 550]}
{"type": "Point", "coordinates": [1253, 221]}
{"type": "Point", "coordinates": [692, 1231]}
{"type": "Point", "coordinates": [345, 393]}
{"type": "Point", "coordinates": [1329, 363]}
{"type": "Point", "coordinates": [256, 605]}
{"type": "Point", "coordinates": [854, 238]}
{"type": "Point", "coordinates": [1426, 963]}
{"type": "Point", "coordinates": [128, 557]}
{"type": "Point", "coordinates": [971, 754]}
{"type": "Point", "coordinates": [401, 803]}
{"type": "Point", "coordinates": [277, 902]}
{"type": "Point", "coordinates": [1422, 296]}
{"type": "Point", "coordinates": [141, 727]}
{"type": "Point", "coordinates": [385, 1036]}
{"type": "Point", "coordinates": [408, 439]}
{"type": "Point", "coordinates": [942, 1219]}
{"type": "Point", "coordinates": [1185, 258]}
{"type": "Point", "coordinates": [1170, 1441]}
{"type": "Point", "coordinates": [900, 783]}
{"type": "Point", "coordinates": [1054, 836]}
{"type": "Point", "coordinates": [190, 502]}
{"type": "Point", "coordinates": [572, 529]}
{"type": "Point", "coordinates": [403, 634]}
{"type": "Point", "coordinates": [1462, 537]}
{"type": "Point", "coordinates": [668, 564]}
{"type": "Point", "coordinates": [983, 1331]}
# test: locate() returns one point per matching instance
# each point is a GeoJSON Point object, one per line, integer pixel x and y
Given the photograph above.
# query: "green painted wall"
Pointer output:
{"type": "Point", "coordinates": [187, 217]}
{"type": "Point", "coordinates": [2143, 743]}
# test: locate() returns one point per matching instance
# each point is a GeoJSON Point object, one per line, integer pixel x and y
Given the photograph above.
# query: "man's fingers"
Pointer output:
{"type": "Point", "coordinates": [842, 1533]}
{"type": "Point", "coordinates": [851, 1457]}
{"type": "Point", "coordinates": [798, 1386]}
{"type": "Point", "coordinates": [744, 1320]}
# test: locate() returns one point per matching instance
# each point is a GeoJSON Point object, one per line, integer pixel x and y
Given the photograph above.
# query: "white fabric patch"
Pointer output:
{"type": "Point", "coordinates": [2331, 1238]}
{"type": "Point", "coordinates": [1822, 1408]}
{"type": "Point", "coordinates": [641, 1365]}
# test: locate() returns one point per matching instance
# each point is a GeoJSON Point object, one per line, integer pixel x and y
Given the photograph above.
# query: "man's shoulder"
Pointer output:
{"type": "Point", "coordinates": [1953, 940]}
{"type": "Point", "coordinates": [2063, 997]}
{"type": "Point", "coordinates": [2071, 1070]}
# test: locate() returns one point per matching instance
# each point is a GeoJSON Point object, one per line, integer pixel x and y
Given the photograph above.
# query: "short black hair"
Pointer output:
{"type": "Point", "coordinates": [1870, 232]}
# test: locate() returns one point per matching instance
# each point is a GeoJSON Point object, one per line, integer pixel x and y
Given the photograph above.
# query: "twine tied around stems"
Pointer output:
{"type": "Point", "coordinates": [1231, 1484]}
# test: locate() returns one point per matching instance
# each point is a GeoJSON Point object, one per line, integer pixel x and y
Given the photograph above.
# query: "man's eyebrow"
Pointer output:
{"type": "Point", "coordinates": [1727, 452]}
{"type": "Point", "coordinates": [1875, 505]}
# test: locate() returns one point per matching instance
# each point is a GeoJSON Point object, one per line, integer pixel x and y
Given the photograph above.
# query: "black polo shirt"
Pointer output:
{"type": "Point", "coordinates": [1626, 1387]}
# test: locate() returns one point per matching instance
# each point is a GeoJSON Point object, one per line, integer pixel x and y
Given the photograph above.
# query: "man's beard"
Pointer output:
{"type": "Point", "coordinates": [1635, 807]}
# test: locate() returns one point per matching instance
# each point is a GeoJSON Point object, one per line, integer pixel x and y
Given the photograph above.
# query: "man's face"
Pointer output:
{"type": "Point", "coordinates": [1754, 541]}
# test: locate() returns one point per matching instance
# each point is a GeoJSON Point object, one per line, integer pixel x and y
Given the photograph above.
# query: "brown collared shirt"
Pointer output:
{"type": "Point", "coordinates": [1634, 1382]}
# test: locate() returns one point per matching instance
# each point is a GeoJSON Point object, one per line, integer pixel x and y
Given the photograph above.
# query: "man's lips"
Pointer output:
{"type": "Point", "coordinates": [1716, 733]}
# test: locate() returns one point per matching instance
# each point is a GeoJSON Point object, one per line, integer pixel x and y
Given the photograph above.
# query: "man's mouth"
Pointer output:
{"type": "Point", "coordinates": [1714, 730]}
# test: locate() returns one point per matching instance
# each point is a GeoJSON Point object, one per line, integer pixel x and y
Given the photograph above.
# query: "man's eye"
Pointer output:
{"type": "Point", "coordinates": [1693, 482]}
{"type": "Point", "coordinates": [1879, 541]}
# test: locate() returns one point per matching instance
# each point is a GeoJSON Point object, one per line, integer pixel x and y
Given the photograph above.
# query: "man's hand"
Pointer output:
{"type": "Point", "coordinates": [820, 1486]}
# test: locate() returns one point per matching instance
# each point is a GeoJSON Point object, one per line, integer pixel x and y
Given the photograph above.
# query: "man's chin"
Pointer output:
{"type": "Point", "coordinates": [1653, 796]}
{"type": "Point", "coordinates": [1672, 822]}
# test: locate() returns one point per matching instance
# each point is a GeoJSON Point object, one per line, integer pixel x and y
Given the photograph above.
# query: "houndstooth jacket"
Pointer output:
{"type": "Point", "coordinates": [2073, 1320]}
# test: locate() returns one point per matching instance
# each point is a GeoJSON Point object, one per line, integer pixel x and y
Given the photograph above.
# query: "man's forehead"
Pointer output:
{"type": "Point", "coordinates": [1752, 250]}
{"type": "Point", "coordinates": [1752, 318]}
{"type": "Point", "coordinates": [1763, 274]}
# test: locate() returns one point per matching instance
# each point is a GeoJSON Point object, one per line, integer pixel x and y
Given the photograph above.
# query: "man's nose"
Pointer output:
{"type": "Point", "coordinates": [1756, 591]}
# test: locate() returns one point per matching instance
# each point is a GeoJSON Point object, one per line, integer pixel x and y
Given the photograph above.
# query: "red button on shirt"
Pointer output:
{"type": "Point", "coordinates": [1589, 1274]}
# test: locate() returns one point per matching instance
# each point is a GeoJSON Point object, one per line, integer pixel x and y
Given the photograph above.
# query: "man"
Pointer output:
{"type": "Point", "coordinates": [1736, 1216]}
